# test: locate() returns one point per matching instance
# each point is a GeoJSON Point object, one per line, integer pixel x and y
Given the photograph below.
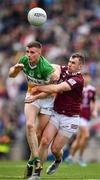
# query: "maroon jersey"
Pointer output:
{"type": "Point", "coordinates": [68, 102]}
{"type": "Point", "coordinates": [89, 94]}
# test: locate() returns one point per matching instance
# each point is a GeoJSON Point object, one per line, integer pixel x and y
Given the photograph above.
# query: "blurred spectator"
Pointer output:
{"type": "Point", "coordinates": [7, 134]}
{"type": "Point", "coordinates": [92, 69]}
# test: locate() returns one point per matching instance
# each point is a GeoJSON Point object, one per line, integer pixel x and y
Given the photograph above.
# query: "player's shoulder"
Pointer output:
{"type": "Point", "coordinates": [45, 65]}
{"type": "Point", "coordinates": [44, 62]}
{"type": "Point", "coordinates": [78, 76]}
{"type": "Point", "coordinates": [42, 59]}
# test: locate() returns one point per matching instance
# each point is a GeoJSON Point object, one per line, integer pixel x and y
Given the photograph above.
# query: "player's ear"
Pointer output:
{"type": "Point", "coordinates": [80, 66]}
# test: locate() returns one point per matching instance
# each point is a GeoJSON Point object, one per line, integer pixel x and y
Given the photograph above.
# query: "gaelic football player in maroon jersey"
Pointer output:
{"type": "Point", "coordinates": [88, 111]}
{"type": "Point", "coordinates": [65, 118]}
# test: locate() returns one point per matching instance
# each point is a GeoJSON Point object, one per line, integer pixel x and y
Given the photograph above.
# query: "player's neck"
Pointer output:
{"type": "Point", "coordinates": [32, 64]}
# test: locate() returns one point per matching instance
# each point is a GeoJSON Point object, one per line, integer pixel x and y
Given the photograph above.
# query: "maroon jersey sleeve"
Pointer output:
{"type": "Point", "coordinates": [75, 82]}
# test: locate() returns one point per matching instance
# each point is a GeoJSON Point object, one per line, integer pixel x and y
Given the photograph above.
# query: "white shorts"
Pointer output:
{"type": "Point", "coordinates": [45, 105]}
{"type": "Point", "coordinates": [84, 122]}
{"type": "Point", "coordinates": [64, 124]}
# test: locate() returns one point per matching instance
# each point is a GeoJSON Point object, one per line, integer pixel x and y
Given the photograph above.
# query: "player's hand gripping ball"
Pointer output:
{"type": "Point", "coordinates": [37, 16]}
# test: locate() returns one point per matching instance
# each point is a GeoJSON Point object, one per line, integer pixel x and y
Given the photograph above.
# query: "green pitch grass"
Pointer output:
{"type": "Point", "coordinates": [13, 170]}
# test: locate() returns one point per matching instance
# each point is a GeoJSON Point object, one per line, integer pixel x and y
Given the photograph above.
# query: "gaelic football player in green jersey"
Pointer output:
{"type": "Point", "coordinates": [37, 71]}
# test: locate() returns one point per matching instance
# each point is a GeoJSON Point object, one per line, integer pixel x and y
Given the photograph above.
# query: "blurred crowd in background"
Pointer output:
{"type": "Point", "coordinates": [72, 25]}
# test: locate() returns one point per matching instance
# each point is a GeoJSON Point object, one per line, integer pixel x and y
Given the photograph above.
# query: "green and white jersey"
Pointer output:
{"type": "Point", "coordinates": [38, 74]}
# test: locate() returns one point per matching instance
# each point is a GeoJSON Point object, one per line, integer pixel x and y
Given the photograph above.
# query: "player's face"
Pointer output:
{"type": "Point", "coordinates": [33, 54]}
{"type": "Point", "coordinates": [74, 65]}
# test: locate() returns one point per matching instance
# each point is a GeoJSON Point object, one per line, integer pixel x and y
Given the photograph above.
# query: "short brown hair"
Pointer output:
{"type": "Point", "coordinates": [34, 44]}
{"type": "Point", "coordinates": [79, 55]}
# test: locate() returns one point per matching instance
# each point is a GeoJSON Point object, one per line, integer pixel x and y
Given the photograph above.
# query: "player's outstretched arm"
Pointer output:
{"type": "Point", "coordinates": [52, 88]}
{"type": "Point", "coordinates": [14, 70]}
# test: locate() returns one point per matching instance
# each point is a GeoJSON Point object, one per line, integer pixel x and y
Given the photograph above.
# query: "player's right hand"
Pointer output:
{"type": "Point", "coordinates": [19, 67]}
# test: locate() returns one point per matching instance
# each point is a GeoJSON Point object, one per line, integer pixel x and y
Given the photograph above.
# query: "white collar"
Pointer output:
{"type": "Point", "coordinates": [73, 73]}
